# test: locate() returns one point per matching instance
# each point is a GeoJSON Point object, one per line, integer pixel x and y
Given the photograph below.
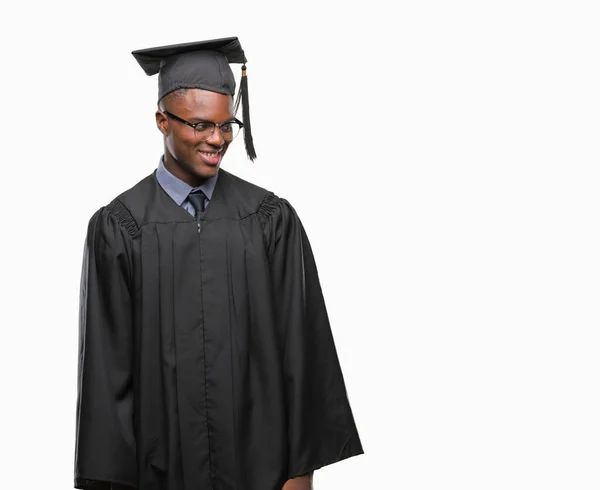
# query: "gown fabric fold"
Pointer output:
{"type": "Point", "coordinates": [206, 360]}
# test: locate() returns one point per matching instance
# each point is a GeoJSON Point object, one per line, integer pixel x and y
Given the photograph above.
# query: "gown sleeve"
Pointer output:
{"type": "Point", "coordinates": [321, 427]}
{"type": "Point", "coordinates": [105, 444]}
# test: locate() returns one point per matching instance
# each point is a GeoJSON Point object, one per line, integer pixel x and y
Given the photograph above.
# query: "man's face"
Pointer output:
{"type": "Point", "coordinates": [189, 157]}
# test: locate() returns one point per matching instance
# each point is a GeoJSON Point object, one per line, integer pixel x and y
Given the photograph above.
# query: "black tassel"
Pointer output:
{"type": "Point", "coordinates": [243, 96]}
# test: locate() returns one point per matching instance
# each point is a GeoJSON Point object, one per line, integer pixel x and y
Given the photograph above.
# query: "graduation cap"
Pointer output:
{"type": "Point", "coordinates": [203, 65]}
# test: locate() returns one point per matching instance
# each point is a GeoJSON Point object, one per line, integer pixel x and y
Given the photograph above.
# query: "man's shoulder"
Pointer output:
{"type": "Point", "coordinates": [127, 207]}
{"type": "Point", "coordinates": [247, 196]}
{"type": "Point", "coordinates": [138, 192]}
{"type": "Point", "coordinates": [242, 185]}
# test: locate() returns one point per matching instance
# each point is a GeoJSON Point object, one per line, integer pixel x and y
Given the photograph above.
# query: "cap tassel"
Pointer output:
{"type": "Point", "coordinates": [243, 96]}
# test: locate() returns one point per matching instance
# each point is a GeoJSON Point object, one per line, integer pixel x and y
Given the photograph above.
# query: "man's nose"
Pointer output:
{"type": "Point", "coordinates": [216, 138]}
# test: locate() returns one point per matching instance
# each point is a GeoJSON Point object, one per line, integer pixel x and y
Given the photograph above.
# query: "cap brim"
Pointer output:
{"type": "Point", "coordinates": [150, 59]}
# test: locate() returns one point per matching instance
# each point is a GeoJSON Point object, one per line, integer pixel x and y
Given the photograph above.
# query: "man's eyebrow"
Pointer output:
{"type": "Point", "coordinates": [199, 119]}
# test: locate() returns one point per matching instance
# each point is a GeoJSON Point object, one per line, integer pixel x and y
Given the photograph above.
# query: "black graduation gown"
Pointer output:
{"type": "Point", "coordinates": [206, 357]}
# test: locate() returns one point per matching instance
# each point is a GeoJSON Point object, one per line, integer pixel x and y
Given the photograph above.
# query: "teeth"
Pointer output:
{"type": "Point", "coordinates": [212, 154]}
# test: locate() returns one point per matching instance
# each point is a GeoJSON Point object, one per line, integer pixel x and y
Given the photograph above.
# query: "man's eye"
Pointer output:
{"type": "Point", "coordinates": [203, 126]}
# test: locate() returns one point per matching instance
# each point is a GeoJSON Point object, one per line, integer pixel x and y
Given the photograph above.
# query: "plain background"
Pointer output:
{"type": "Point", "coordinates": [444, 159]}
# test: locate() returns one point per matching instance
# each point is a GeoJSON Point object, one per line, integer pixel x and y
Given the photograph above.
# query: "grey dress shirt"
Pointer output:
{"type": "Point", "coordinates": [178, 190]}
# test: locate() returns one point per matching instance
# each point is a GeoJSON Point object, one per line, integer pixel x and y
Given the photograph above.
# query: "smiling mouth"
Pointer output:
{"type": "Point", "coordinates": [210, 154]}
{"type": "Point", "coordinates": [211, 158]}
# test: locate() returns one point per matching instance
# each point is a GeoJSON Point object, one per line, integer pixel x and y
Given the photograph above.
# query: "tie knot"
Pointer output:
{"type": "Point", "coordinates": [197, 200]}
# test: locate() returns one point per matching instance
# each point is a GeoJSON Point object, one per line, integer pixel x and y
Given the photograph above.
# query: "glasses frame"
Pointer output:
{"type": "Point", "coordinates": [214, 125]}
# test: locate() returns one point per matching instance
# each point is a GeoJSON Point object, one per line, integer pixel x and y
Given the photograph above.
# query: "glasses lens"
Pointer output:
{"type": "Point", "coordinates": [230, 130]}
{"type": "Point", "coordinates": [203, 130]}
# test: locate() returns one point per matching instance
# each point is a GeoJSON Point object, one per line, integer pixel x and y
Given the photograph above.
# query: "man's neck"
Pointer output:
{"type": "Point", "coordinates": [173, 167]}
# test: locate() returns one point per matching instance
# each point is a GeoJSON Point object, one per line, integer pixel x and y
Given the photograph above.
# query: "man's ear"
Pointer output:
{"type": "Point", "coordinates": [162, 122]}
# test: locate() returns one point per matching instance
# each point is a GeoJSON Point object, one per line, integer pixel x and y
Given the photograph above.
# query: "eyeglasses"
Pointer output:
{"type": "Point", "coordinates": [205, 129]}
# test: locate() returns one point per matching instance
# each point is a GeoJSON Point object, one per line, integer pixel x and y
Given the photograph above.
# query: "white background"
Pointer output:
{"type": "Point", "coordinates": [443, 157]}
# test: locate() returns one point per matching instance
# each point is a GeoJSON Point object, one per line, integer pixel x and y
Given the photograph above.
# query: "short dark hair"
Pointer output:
{"type": "Point", "coordinates": [176, 94]}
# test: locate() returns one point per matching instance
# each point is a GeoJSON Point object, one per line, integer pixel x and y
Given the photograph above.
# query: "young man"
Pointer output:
{"type": "Point", "coordinates": [206, 357]}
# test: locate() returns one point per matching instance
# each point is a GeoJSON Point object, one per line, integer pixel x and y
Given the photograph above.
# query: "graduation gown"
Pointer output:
{"type": "Point", "coordinates": [206, 358]}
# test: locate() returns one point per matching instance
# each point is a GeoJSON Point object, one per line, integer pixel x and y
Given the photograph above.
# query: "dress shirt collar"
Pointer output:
{"type": "Point", "coordinates": [177, 188]}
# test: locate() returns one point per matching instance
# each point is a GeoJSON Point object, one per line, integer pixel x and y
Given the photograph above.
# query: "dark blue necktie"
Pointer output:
{"type": "Point", "coordinates": [197, 200]}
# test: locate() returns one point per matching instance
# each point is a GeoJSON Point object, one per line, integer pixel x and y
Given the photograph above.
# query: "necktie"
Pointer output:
{"type": "Point", "coordinates": [197, 200]}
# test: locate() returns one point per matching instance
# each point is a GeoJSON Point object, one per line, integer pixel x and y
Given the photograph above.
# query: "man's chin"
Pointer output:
{"type": "Point", "coordinates": [206, 171]}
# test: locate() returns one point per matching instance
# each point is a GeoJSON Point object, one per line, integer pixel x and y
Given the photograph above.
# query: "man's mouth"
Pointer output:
{"type": "Point", "coordinates": [210, 157]}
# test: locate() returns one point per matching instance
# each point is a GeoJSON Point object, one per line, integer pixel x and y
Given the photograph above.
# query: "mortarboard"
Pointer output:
{"type": "Point", "coordinates": [203, 65]}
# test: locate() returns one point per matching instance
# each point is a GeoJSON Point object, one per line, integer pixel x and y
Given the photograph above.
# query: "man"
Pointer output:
{"type": "Point", "coordinates": [206, 357]}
